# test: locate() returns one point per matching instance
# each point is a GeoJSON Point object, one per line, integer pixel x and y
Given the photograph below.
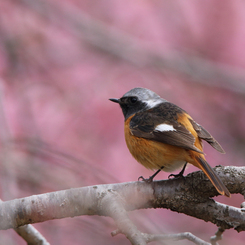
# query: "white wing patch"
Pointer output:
{"type": "Point", "coordinates": [164, 127]}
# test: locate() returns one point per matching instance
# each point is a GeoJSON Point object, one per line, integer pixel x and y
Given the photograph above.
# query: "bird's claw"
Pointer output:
{"type": "Point", "coordinates": [149, 180]}
{"type": "Point", "coordinates": [175, 176]}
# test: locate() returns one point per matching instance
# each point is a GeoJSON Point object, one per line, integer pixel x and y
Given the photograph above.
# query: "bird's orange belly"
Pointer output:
{"type": "Point", "coordinates": [153, 154]}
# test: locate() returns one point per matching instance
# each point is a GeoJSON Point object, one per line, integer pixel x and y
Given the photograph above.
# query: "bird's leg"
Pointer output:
{"type": "Point", "coordinates": [180, 174]}
{"type": "Point", "coordinates": [150, 179]}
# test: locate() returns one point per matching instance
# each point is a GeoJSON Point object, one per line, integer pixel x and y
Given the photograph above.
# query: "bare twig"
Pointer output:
{"type": "Point", "coordinates": [116, 210]}
{"type": "Point", "coordinates": [31, 235]}
{"type": "Point", "coordinates": [168, 237]}
{"type": "Point", "coordinates": [174, 237]}
{"type": "Point", "coordinates": [217, 236]}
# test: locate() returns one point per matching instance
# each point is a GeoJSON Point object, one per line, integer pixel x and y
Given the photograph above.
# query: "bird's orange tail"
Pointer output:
{"type": "Point", "coordinates": [213, 177]}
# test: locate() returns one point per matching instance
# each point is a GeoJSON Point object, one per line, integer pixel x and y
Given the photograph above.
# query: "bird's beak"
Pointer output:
{"type": "Point", "coordinates": [115, 100]}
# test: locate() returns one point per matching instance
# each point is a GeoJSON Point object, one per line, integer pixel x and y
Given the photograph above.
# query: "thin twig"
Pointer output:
{"type": "Point", "coordinates": [114, 208]}
{"type": "Point", "coordinates": [217, 236]}
{"type": "Point", "coordinates": [168, 237]}
{"type": "Point", "coordinates": [175, 237]}
{"type": "Point", "coordinates": [31, 235]}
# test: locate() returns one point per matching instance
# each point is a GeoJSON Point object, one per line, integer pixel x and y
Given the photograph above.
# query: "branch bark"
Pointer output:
{"type": "Point", "coordinates": [170, 237]}
{"type": "Point", "coordinates": [189, 195]}
{"type": "Point", "coordinates": [31, 235]}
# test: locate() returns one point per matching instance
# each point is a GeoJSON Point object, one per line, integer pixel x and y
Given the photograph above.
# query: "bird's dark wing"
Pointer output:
{"type": "Point", "coordinates": [205, 135]}
{"type": "Point", "coordinates": [160, 124]}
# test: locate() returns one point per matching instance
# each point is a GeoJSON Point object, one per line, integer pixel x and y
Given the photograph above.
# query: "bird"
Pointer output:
{"type": "Point", "coordinates": [162, 136]}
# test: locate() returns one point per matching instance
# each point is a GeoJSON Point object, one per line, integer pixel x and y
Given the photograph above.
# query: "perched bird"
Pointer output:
{"type": "Point", "coordinates": [161, 135]}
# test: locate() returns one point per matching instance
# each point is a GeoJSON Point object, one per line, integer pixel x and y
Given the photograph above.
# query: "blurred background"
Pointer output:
{"type": "Point", "coordinates": [60, 62]}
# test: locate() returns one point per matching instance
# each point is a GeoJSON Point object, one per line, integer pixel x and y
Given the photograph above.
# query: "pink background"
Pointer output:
{"type": "Point", "coordinates": [58, 129]}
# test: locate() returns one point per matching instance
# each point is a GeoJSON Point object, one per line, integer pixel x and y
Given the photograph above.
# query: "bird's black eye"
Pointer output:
{"type": "Point", "coordinates": [133, 100]}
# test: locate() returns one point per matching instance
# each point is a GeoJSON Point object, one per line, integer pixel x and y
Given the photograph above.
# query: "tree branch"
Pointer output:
{"type": "Point", "coordinates": [169, 237]}
{"type": "Point", "coordinates": [217, 236]}
{"type": "Point", "coordinates": [189, 195]}
{"type": "Point", "coordinates": [31, 235]}
{"type": "Point", "coordinates": [174, 237]}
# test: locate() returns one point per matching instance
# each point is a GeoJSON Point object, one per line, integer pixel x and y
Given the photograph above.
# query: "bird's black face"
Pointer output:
{"type": "Point", "coordinates": [130, 105]}
{"type": "Point", "coordinates": [138, 99]}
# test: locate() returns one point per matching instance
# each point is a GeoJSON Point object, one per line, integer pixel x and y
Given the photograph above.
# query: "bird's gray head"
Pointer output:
{"type": "Point", "coordinates": [138, 99]}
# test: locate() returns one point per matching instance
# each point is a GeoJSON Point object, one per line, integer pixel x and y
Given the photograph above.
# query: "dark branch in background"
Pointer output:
{"type": "Point", "coordinates": [130, 49]}
{"type": "Point", "coordinates": [189, 195]}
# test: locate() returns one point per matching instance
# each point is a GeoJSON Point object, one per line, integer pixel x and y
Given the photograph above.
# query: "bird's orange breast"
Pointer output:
{"type": "Point", "coordinates": [154, 155]}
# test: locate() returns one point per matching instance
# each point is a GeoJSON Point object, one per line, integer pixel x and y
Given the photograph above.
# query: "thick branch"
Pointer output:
{"type": "Point", "coordinates": [30, 234]}
{"type": "Point", "coordinates": [189, 195]}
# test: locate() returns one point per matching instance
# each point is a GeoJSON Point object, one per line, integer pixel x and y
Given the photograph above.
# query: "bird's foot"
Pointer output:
{"type": "Point", "coordinates": [179, 175]}
{"type": "Point", "coordinates": [175, 176]}
{"type": "Point", "coordinates": [149, 180]}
